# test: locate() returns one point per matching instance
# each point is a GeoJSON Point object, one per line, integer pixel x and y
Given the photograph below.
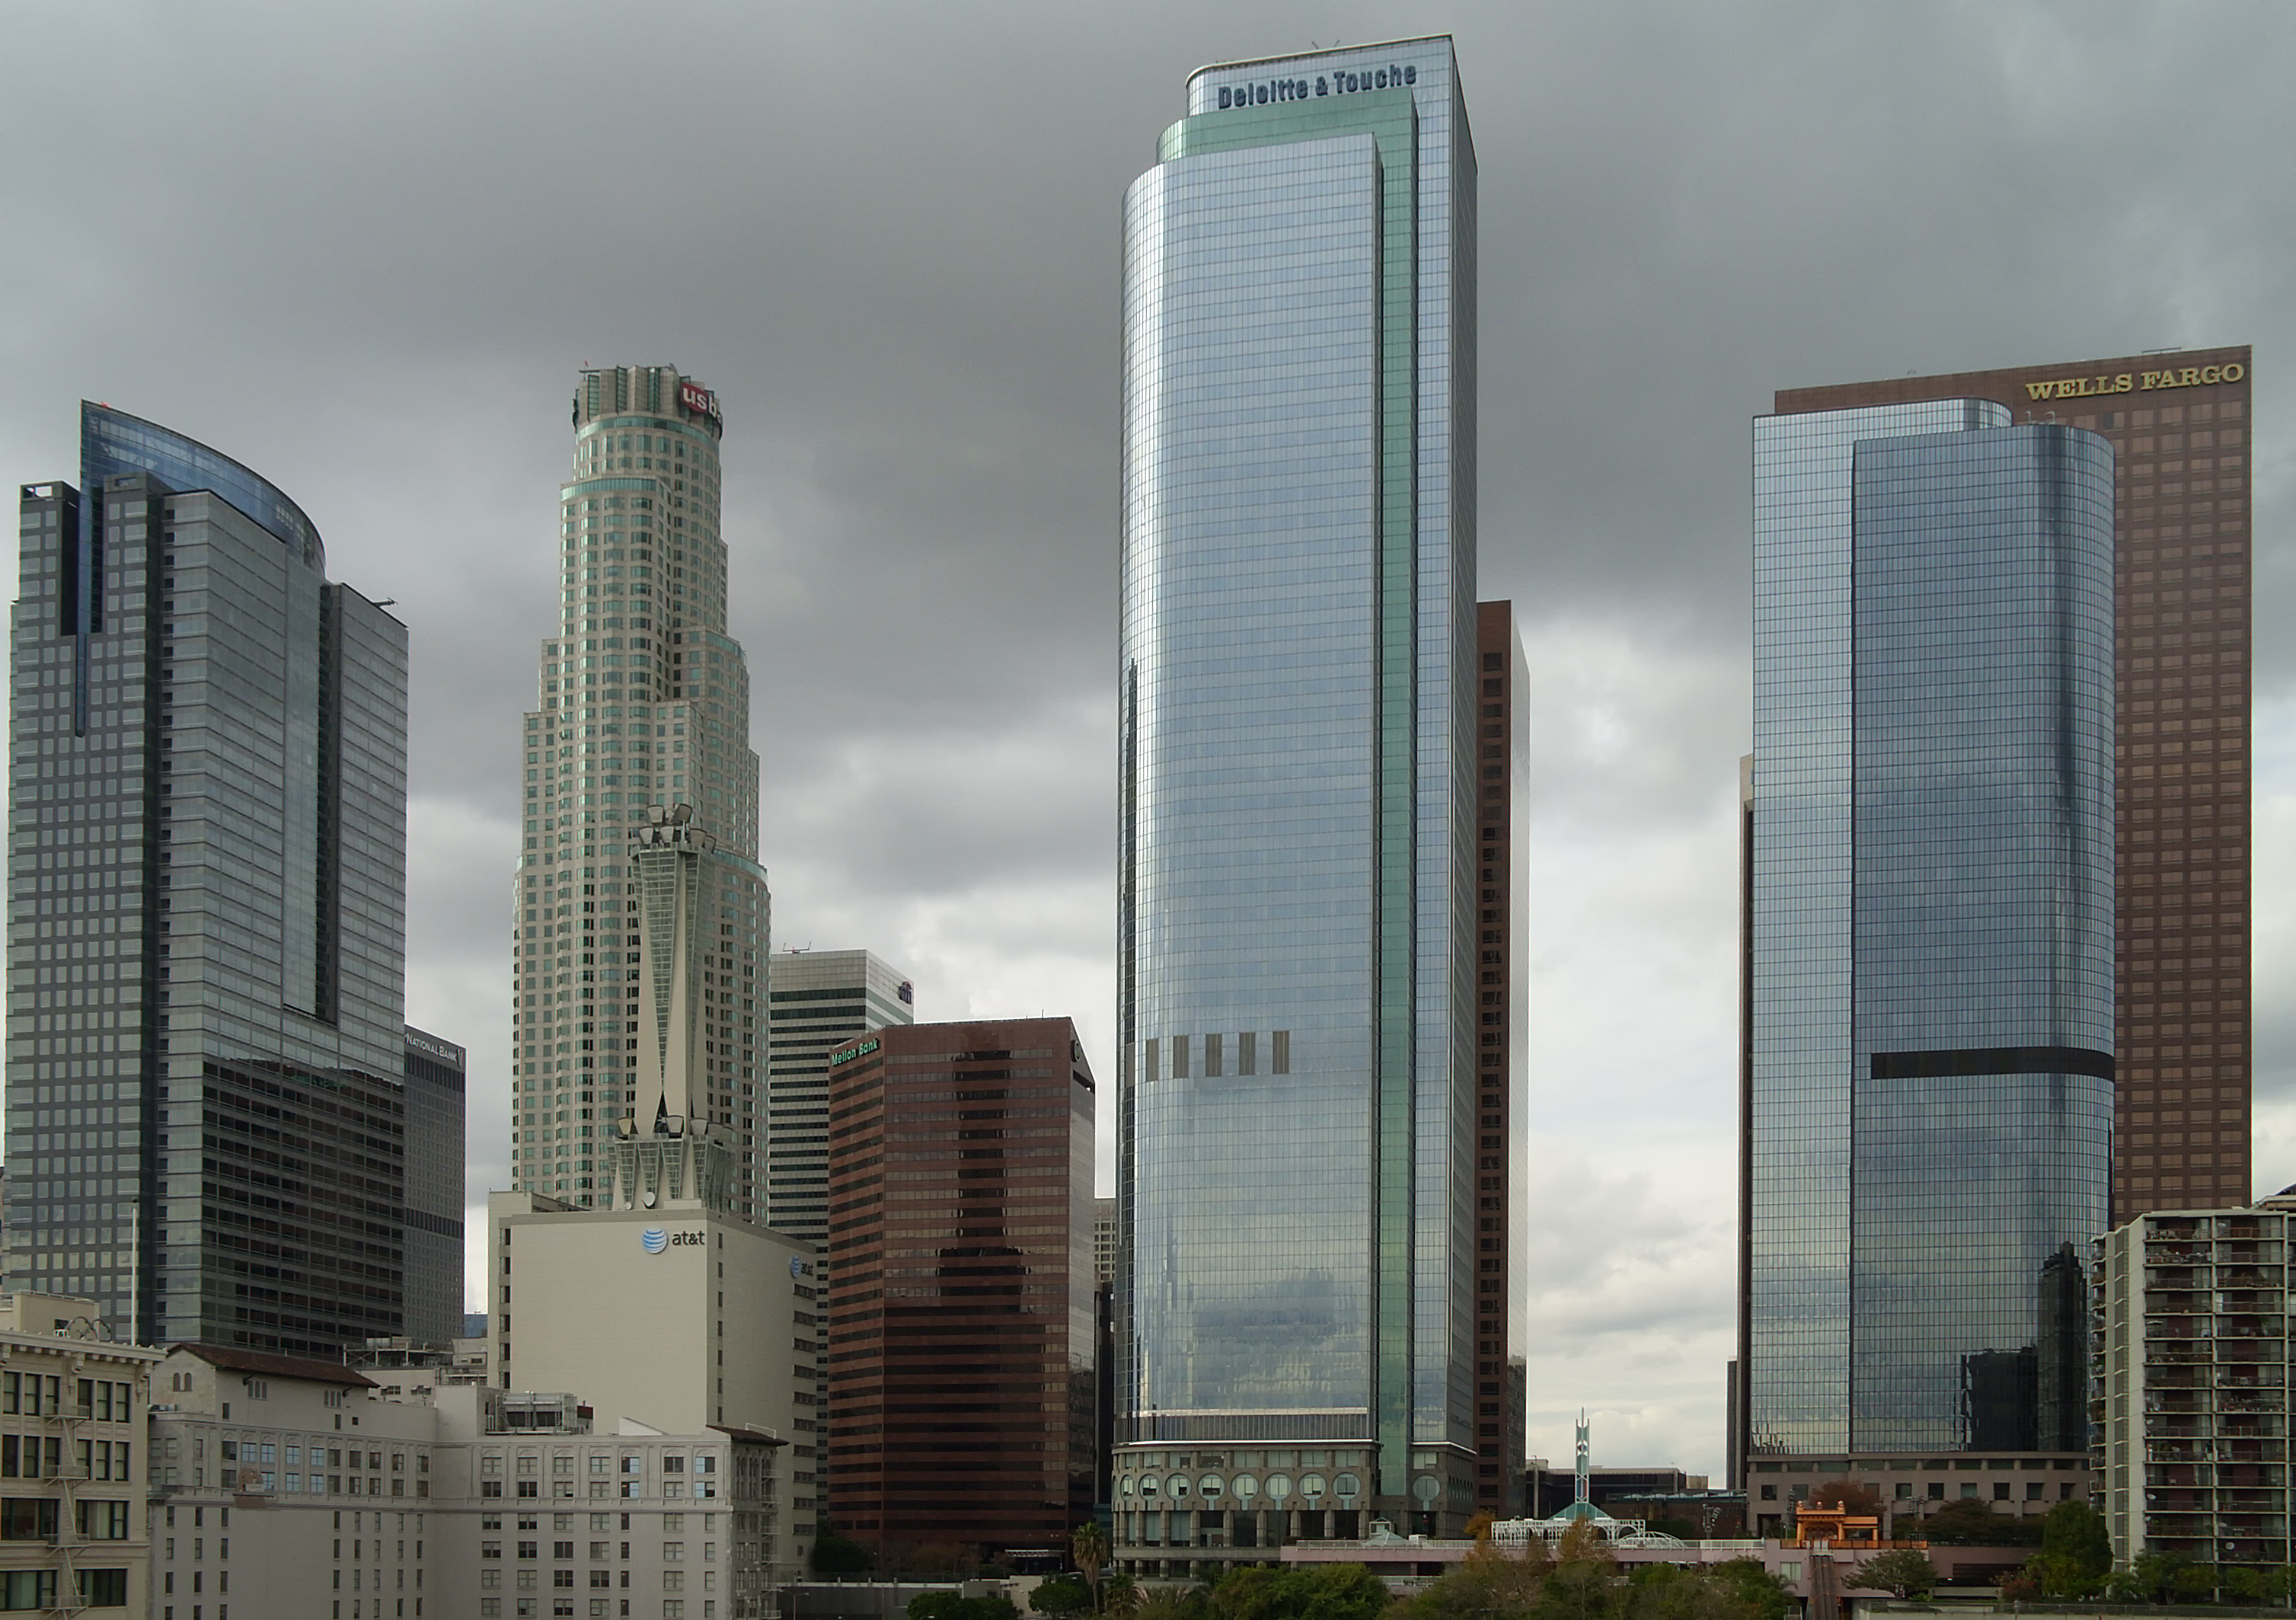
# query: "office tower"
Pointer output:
{"type": "Point", "coordinates": [433, 1091]}
{"type": "Point", "coordinates": [643, 722]}
{"type": "Point", "coordinates": [822, 1001]}
{"type": "Point", "coordinates": [1931, 1083]}
{"type": "Point", "coordinates": [1501, 1026]}
{"type": "Point", "coordinates": [207, 798]}
{"type": "Point", "coordinates": [2180, 428]}
{"type": "Point", "coordinates": [2192, 1343]}
{"type": "Point", "coordinates": [961, 1387]}
{"type": "Point", "coordinates": [1297, 949]}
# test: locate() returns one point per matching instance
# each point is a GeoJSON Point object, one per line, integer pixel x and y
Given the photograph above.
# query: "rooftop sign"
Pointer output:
{"type": "Point", "coordinates": [1323, 84]}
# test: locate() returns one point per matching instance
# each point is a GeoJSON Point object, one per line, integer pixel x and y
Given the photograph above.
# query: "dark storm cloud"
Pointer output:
{"type": "Point", "coordinates": [365, 250]}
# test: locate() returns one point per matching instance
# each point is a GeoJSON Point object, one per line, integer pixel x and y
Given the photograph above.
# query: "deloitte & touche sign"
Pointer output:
{"type": "Point", "coordinates": [1261, 92]}
{"type": "Point", "coordinates": [655, 1240]}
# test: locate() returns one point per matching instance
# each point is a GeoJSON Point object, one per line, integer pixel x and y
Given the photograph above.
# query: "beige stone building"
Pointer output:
{"type": "Point", "coordinates": [677, 1318]}
{"type": "Point", "coordinates": [309, 1489]}
{"type": "Point", "coordinates": [71, 1460]}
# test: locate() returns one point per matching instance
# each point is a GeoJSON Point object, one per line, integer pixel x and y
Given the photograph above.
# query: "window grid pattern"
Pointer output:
{"type": "Point", "coordinates": [1981, 924]}
{"type": "Point", "coordinates": [1268, 236]}
{"type": "Point", "coordinates": [1799, 1114]}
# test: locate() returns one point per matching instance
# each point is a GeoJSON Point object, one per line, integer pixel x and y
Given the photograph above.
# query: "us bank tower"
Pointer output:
{"type": "Point", "coordinates": [1297, 1170]}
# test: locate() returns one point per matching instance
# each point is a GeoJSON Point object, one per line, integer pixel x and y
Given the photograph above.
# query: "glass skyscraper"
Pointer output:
{"type": "Point", "coordinates": [207, 1125]}
{"type": "Point", "coordinates": [1297, 937]}
{"type": "Point", "coordinates": [1930, 928]}
{"type": "Point", "coordinates": [637, 762]}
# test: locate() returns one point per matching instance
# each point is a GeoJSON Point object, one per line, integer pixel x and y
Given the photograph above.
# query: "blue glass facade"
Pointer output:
{"type": "Point", "coordinates": [1931, 905]}
{"type": "Point", "coordinates": [1296, 1171]}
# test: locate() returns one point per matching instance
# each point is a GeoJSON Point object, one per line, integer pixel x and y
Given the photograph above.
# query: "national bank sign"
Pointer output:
{"type": "Point", "coordinates": [1269, 90]}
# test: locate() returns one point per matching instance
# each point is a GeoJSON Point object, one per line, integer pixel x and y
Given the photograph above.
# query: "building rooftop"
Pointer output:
{"type": "Point", "coordinates": [278, 1366]}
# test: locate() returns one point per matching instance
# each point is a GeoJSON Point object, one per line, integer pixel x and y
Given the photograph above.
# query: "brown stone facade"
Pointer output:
{"type": "Point", "coordinates": [2183, 443]}
{"type": "Point", "coordinates": [961, 1334]}
{"type": "Point", "coordinates": [1502, 727]}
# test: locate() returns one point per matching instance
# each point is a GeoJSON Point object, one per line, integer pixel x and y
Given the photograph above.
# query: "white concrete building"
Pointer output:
{"type": "Point", "coordinates": [822, 1001]}
{"type": "Point", "coordinates": [303, 1489]}
{"type": "Point", "coordinates": [72, 1480]}
{"type": "Point", "coordinates": [2194, 1348]}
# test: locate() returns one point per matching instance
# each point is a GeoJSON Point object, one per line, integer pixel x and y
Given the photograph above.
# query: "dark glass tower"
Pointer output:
{"type": "Point", "coordinates": [207, 1125]}
{"type": "Point", "coordinates": [1930, 928]}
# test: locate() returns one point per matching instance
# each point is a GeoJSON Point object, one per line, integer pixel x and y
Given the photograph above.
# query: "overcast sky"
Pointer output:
{"type": "Point", "coordinates": [366, 250]}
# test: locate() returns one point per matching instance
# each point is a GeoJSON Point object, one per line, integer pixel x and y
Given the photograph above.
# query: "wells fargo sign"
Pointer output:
{"type": "Point", "coordinates": [2138, 382]}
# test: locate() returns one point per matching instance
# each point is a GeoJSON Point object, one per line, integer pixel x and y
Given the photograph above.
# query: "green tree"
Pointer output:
{"type": "Point", "coordinates": [1167, 1605]}
{"type": "Point", "coordinates": [1851, 1495]}
{"type": "Point", "coordinates": [2056, 1575]}
{"type": "Point", "coordinates": [1063, 1595]}
{"type": "Point", "coordinates": [2075, 1532]}
{"type": "Point", "coordinates": [1119, 1596]}
{"type": "Point", "coordinates": [1971, 1523]}
{"type": "Point", "coordinates": [2249, 1586]}
{"type": "Point", "coordinates": [950, 1606]}
{"type": "Point", "coordinates": [1489, 1584]}
{"type": "Point", "coordinates": [1090, 1546]}
{"type": "Point", "coordinates": [1302, 1592]}
{"type": "Point", "coordinates": [835, 1555]}
{"type": "Point", "coordinates": [1762, 1595]}
{"type": "Point", "coordinates": [1902, 1573]}
{"type": "Point", "coordinates": [2151, 1577]}
{"type": "Point", "coordinates": [1582, 1584]}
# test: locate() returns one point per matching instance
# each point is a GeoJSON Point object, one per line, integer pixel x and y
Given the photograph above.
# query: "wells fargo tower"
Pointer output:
{"type": "Point", "coordinates": [2179, 426]}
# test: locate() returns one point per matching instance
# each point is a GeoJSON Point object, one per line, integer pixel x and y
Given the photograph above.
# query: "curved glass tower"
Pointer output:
{"type": "Point", "coordinates": [642, 725]}
{"type": "Point", "coordinates": [207, 939]}
{"type": "Point", "coordinates": [1931, 1059]}
{"type": "Point", "coordinates": [1296, 1175]}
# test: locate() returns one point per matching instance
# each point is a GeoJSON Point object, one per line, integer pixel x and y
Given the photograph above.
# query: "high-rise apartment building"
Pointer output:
{"type": "Point", "coordinates": [822, 1001]}
{"type": "Point", "coordinates": [2180, 426]}
{"type": "Point", "coordinates": [641, 790]}
{"type": "Point", "coordinates": [962, 1381]}
{"type": "Point", "coordinates": [1296, 1176]}
{"type": "Point", "coordinates": [207, 1119]}
{"type": "Point", "coordinates": [1930, 929]}
{"type": "Point", "coordinates": [1502, 1031]}
{"type": "Point", "coordinates": [433, 1091]}
{"type": "Point", "coordinates": [2192, 1344]}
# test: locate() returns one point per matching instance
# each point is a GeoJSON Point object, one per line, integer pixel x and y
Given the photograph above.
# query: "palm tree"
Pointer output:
{"type": "Point", "coordinates": [1090, 1546]}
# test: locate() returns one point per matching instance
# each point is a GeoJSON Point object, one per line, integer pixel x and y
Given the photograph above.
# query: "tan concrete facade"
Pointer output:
{"type": "Point", "coordinates": [71, 1460]}
{"type": "Point", "coordinates": [719, 1324]}
{"type": "Point", "coordinates": [449, 1499]}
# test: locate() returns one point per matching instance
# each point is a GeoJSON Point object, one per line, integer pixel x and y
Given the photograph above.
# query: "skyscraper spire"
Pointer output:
{"type": "Point", "coordinates": [640, 787]}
